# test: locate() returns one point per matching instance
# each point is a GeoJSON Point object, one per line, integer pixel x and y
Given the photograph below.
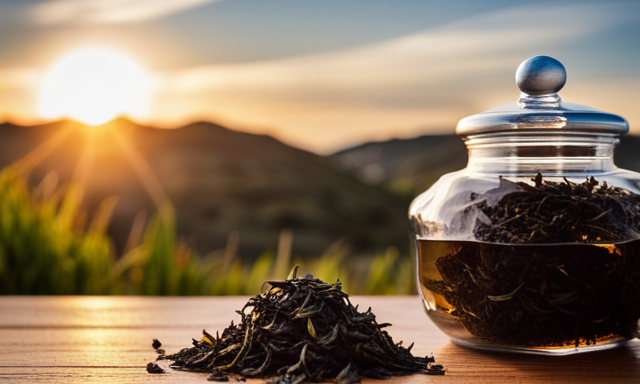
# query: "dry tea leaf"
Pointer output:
{"type": "Point", "coordinates": [555, 264]}
{"type": "Point", "coordinates": [302, 330]}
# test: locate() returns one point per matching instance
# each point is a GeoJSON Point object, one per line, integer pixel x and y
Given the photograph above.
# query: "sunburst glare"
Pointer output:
{"type": "Point", "coordinates": [94, 86]}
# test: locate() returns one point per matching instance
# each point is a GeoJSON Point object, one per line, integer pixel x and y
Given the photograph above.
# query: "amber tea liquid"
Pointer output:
{"type": "Point", "coordinates": [537, 297]}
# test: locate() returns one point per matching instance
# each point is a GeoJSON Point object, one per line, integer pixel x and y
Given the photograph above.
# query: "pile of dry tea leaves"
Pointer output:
{"type": "Point", "coordinates": [556, 264]}
{"type": "Point", "coordinates": [302, 330]}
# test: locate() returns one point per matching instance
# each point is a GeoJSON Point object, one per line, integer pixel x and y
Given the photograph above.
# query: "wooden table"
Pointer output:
{"type": "Point", "coordinates": [108, 340]}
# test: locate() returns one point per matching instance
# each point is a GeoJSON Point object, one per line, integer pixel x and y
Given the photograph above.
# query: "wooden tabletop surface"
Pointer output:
{"type": "Point", "coordinates": [108, 340]}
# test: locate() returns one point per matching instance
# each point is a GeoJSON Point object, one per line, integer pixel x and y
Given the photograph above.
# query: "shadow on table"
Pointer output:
{"type": "Point", "coordinates": [621, 364]}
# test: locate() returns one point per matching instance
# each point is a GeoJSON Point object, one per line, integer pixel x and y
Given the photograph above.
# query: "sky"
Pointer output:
{"type": "Point", "coordinates": [325, 75]}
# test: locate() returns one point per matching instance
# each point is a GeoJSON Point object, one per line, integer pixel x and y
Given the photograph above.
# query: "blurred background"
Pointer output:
{"type": "Point", "coordinates": [197, 147]}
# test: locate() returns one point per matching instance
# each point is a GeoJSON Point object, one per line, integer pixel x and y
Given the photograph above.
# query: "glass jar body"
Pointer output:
{"type": "Point", "coordinates": [534, 247]}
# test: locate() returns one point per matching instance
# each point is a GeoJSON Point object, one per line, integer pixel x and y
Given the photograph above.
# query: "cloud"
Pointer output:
{"type": "Point", "coordinates": [418, 83]}
{"type": "Point", "coordinates": [54, 12]}
{"type": "Point", "coordinates": [480, 45]}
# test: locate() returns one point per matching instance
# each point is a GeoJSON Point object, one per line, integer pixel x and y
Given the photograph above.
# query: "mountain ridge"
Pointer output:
{"type": "Point", "coordinates": [220, 181]}
{"type": "Point", "coordinates": [412, 165]}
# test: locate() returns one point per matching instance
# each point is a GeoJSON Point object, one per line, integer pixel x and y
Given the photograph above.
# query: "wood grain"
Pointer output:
{"type": "Point", "coordinates": [108, 340]}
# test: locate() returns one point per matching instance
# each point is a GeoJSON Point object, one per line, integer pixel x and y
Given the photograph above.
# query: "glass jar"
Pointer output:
{"type": "Point", "coordinates": [535, 246]}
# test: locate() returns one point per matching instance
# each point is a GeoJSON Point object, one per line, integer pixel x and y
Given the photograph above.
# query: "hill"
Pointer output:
{"type": "Point", "coordinates": [410, 166]}
{"type": "Point", "coordinates": [405, 165]}
{"type": "Point", "coordinates": [219, 181]}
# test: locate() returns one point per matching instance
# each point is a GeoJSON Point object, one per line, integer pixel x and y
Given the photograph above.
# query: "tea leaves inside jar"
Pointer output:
{"type": "Point", "coordinates": [553, 265]}
{"type": "Point", "coordinates": [558, 212]}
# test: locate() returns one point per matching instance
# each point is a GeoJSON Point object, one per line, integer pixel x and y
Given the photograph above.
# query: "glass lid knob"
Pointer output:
{"type": "Point", "coordinates": [541, 75]}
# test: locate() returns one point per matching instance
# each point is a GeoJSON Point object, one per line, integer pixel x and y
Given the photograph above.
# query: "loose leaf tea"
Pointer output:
{"type": "Point", "coordinates": [302, 330]}
{"type": "Point", "coordinates": [154, 368]}
{"type": "Point", "coordinates": [554, 265]}
{"type": "Point", "coordinates": [558, 212]}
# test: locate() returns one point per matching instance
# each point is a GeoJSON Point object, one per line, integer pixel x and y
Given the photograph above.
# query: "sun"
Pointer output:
{"type": "Point", "coordinates": [93, 86]}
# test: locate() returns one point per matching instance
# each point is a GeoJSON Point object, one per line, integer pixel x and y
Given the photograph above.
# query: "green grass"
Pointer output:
{"type": "Point", "coordinates": [42, 249]}
{"type": "Point", "coordinates": [47, 246]}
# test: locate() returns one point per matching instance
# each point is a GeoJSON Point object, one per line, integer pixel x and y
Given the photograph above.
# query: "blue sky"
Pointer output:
{"type": "Point", "coordinates": [327, 74]}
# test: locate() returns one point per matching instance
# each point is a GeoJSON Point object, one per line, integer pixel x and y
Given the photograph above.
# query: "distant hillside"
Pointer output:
{"type": "Point", "coordinates": [405, 165]}
{"type": "Point", "coordinates": [412, 165]}
{"type": "Point", "coordinates": [220, 181]}
{"type": "Point", "coordinates": [627, 153]}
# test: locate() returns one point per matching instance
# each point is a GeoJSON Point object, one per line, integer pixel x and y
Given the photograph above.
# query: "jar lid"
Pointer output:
{"type": "Point", "coordinates": [540, 108]}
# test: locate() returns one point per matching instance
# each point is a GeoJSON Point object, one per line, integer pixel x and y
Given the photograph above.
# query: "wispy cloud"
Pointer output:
{"type": "Point", "coordinates": [425, 81]}
{"type": "Point", "coordinates": [483, 44]}
{"type": "Point", "coordinates": [107, 11]}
